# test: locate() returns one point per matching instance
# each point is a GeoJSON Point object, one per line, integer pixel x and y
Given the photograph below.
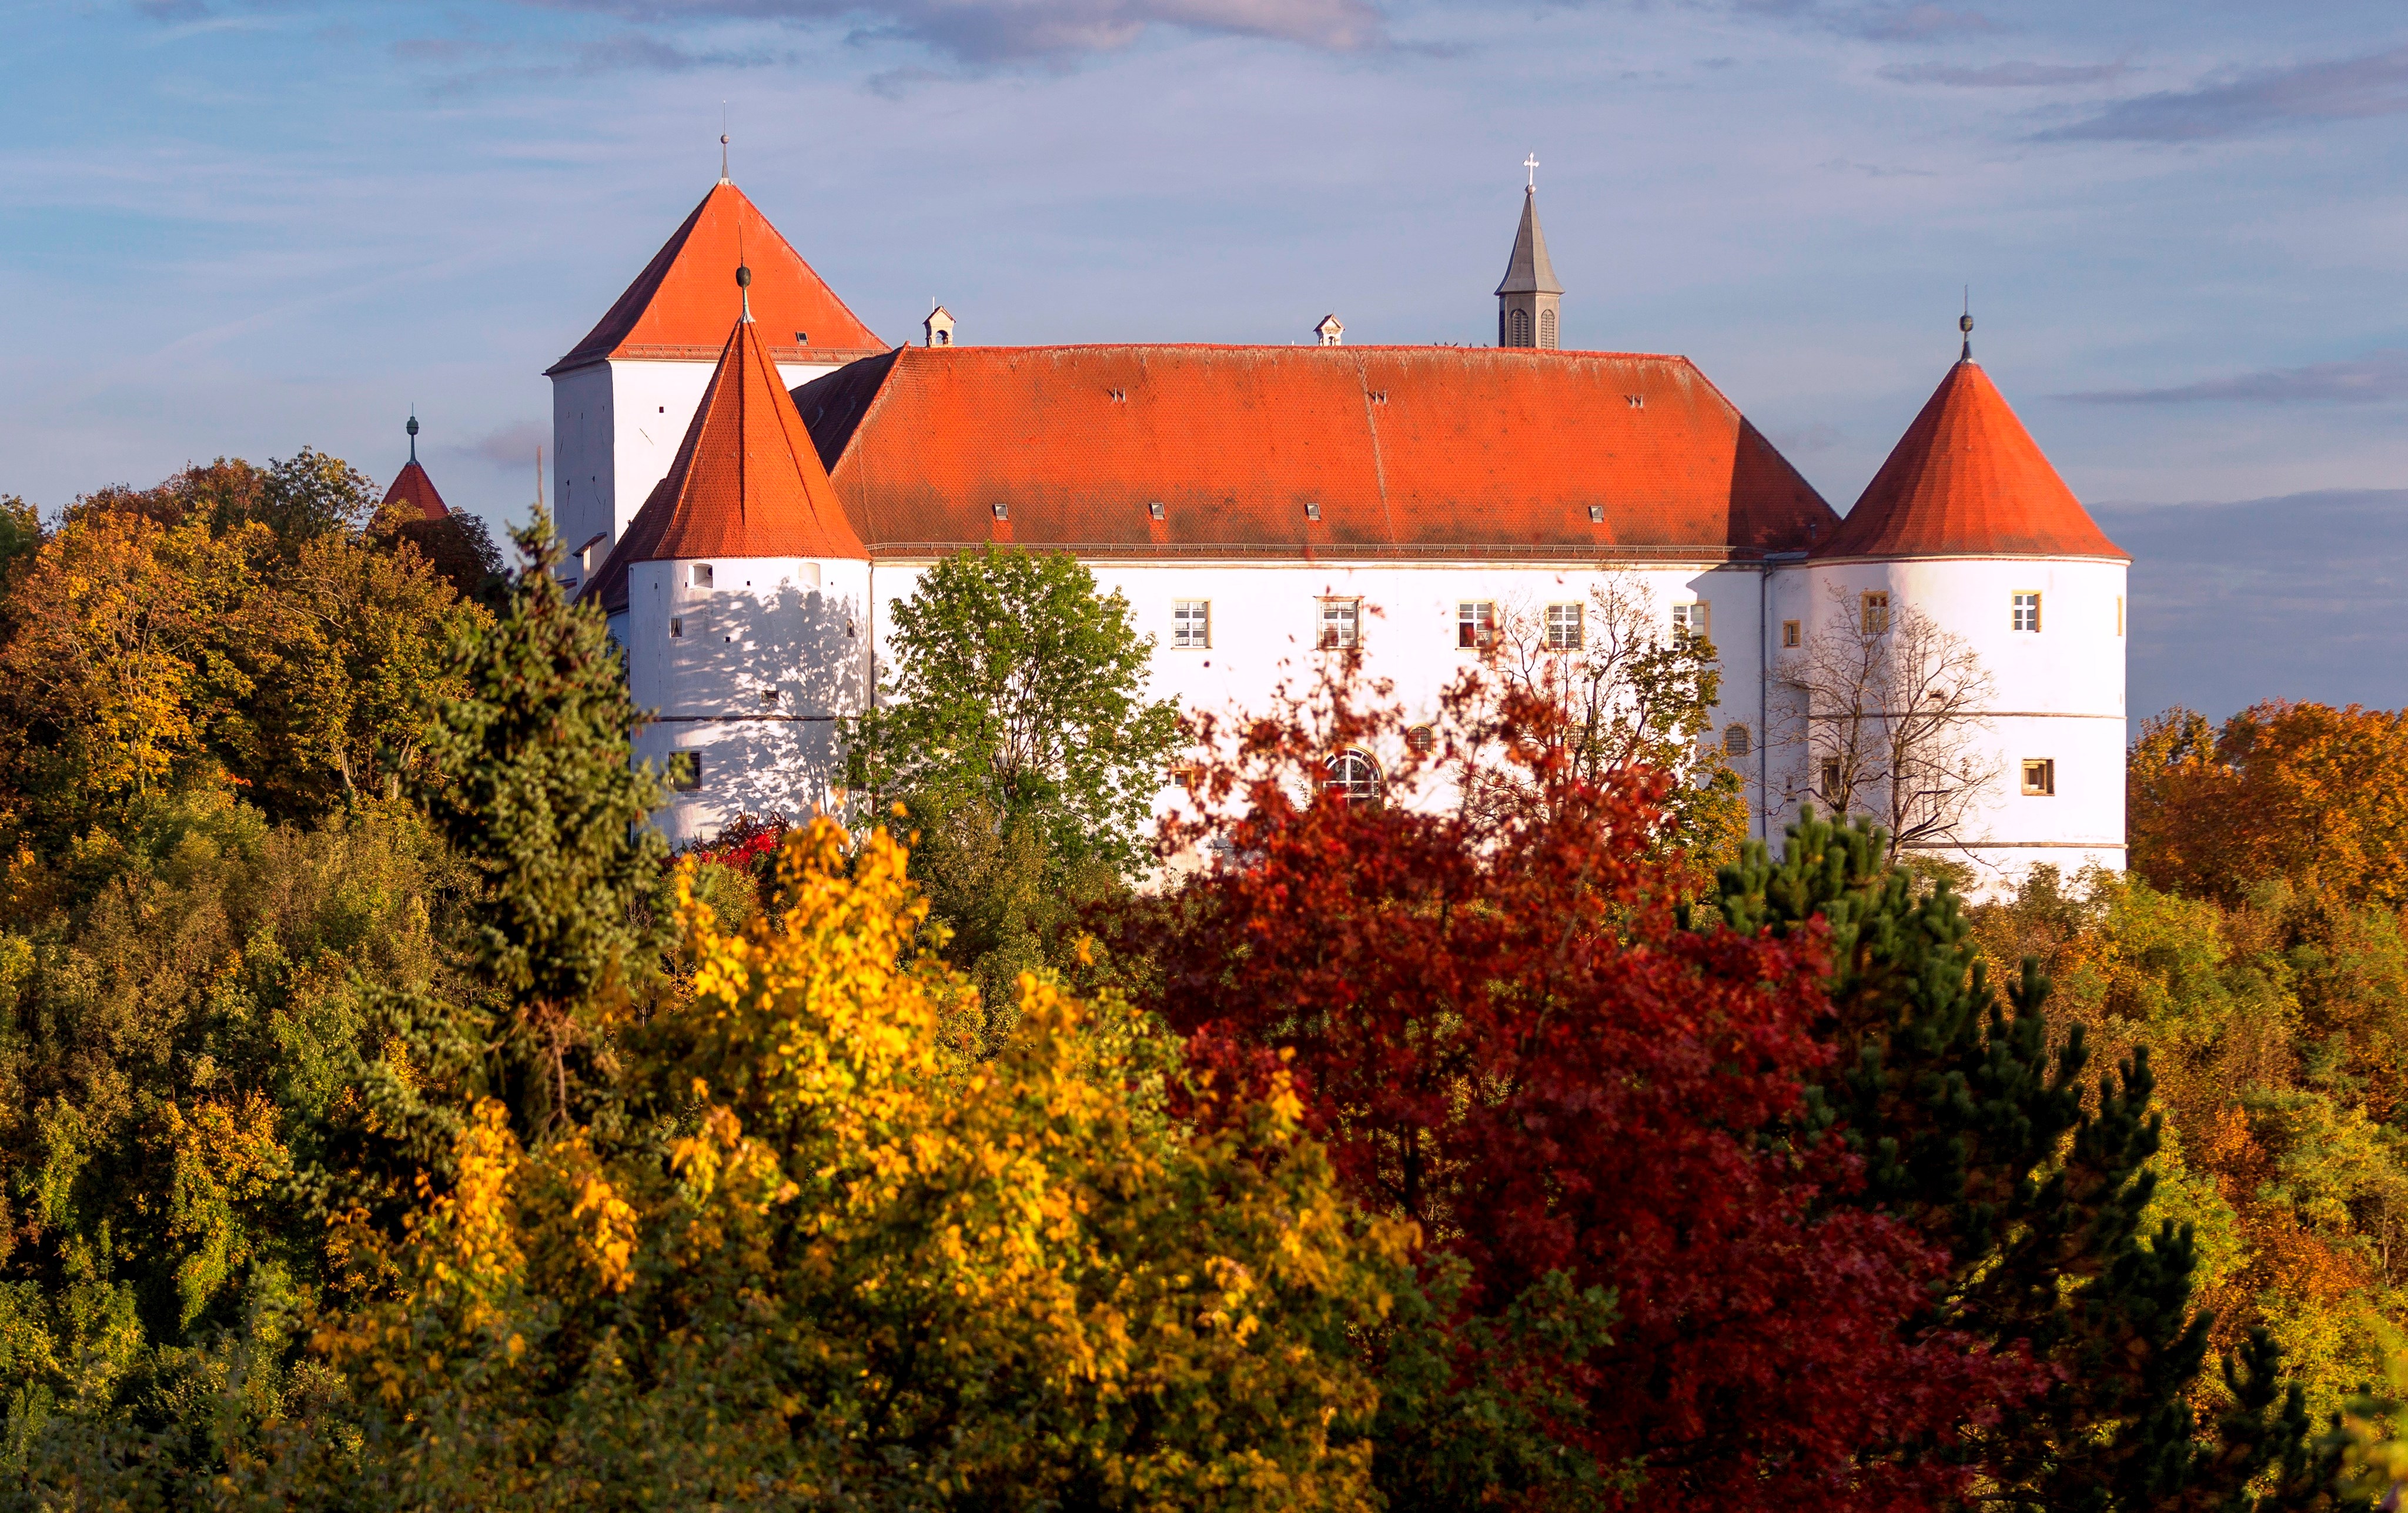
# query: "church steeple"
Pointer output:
{"type": "Point", "coordinates": [1528, 298]}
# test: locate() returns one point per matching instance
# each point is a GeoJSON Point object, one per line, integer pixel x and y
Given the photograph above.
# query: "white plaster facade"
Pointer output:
{"type": "Point", "coordinates": [804, 628]}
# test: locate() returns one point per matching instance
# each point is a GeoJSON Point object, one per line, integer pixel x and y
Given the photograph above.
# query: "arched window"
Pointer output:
{"type": "Point", "coordinates": [1518, 329]}
{"type": "Point", "coordinates": [1547, 329]}
{"type": "Point", "coordinates": [1353, 778]}
{"type": "Point", "coordinates": [1735, 741]}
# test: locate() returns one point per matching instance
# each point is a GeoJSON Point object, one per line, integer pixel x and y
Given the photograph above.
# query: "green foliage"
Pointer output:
{"type": "Point", "coordinates": [1974, 1123]}
{"type": "Point", "coordinates": [1018, 687]}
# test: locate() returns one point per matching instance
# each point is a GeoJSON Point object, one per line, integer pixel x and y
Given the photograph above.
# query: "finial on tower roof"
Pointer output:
{"type": "Point", "coordinates": [412, 430]}
{"type": "Point", "coordinates": [1965, 324]}
{"type": "Point", "coordinates": [723, 158]}
{"type": "Point", "coordinates": [744, 282]}
{"type": "Point", "coordinates": [1531, 162]}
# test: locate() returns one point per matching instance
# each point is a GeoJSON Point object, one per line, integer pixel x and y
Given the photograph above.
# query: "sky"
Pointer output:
{"type": "Point", "coordinates": [244, 226]}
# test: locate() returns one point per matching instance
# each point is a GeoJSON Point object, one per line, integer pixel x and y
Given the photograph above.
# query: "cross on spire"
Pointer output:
{"type": "Point", "coordinates": [1531, 162]}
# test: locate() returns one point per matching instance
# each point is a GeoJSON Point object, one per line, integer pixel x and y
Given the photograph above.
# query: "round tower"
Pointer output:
{"type": "Point", "coordinates": [740, 596]}
{"type": "Point", "coordinates": [1956, 648]}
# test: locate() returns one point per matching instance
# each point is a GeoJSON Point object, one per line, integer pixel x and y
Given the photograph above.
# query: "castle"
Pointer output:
{"type": "Point", "coordinates": [747, 479]}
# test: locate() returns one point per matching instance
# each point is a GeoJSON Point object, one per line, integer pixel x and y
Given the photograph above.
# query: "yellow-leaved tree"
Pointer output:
{"type": "Point", "coordinates": [818, 1256]}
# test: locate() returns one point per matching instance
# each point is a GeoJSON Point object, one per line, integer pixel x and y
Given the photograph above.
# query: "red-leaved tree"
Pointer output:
{"type": "Point", "coordinates": [1504, 1032]}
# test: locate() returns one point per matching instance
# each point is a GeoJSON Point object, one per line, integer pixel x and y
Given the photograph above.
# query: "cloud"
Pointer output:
{"type": "Point", "coordinates": [2376, 378]}
{"type": "Point", "coordinates": [2344, 89]}
{"type": "Point", "coordinates": [636, 51]}
{"type": "Point", "coordinates": [989, 32]}
{"type": "Point", "coordinates": [2005, 74]}
{"type": "Point", "coordinates": [2288, 598]}
{"type": "Point", "coordinates": [1876, 170]}
{"type": "Point", "coordinates": [513, 446]}
{"type": "Point", "coordinates": [1917, 24]}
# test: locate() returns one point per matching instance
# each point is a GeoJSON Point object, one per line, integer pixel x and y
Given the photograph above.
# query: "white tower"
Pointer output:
{"type": "Point", "coordinates": [741, 594]}
{"type": "Point", "coordinates": [1968, 532]}
{"type": "Point", "coordinates": [622, 397]}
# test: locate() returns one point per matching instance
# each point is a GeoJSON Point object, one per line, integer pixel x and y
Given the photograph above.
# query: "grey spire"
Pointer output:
{"type": "Point", "coordinates": [1529, 272]}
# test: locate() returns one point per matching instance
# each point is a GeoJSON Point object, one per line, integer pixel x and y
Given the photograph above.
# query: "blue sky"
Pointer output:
{"type": "Point", "coordinates": [241, 227]}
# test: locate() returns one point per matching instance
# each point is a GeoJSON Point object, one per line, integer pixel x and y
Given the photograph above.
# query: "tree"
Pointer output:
{"type": "Point", "coordinates": [2300, 791]}
{"type": "Point", "coordinates": [1016, 732]}
{"type": "Point", "coordinates": [1506, 1037]}
{"type": "Point", "coordinates": [1893, 715]}
{"type": "Point", "coordinates": [849, 1268]}
{"type": "Point", "coordinates": [1623, 695]}
{"type": "Point", "coordinates": [1974, 1127]}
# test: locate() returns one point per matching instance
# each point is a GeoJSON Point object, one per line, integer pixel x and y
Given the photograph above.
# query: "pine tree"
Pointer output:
{"type": "Point", "coordinates": [1981, 1134]}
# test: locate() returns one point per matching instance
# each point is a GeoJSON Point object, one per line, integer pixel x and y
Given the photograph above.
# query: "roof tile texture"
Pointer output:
{"type": "Point", "coordinates": [1967, 480]}
{"type": "Point", "coordinates": [1408, 451]}
{"type": "Point", "coordinates": [682, 305]}
{"type": "Point", "coordinates": [412, 485]}
{"type": "Point", "coordinates": [746, 483]}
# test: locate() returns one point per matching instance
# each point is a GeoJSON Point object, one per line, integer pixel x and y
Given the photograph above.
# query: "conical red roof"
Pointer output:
{"type": "Point", "coordinates": [412, 486]}
{"type": "Point", "coordinates": [1967, 480]}
{"type": "Point", "coordinates": [681, 303]}
{"type": "Point", "coordinates": [747, 481]}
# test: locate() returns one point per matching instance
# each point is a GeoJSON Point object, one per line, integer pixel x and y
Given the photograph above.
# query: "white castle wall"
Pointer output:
{"type": "Point", "coordinates": [750, 675]}
{"type": "Point", "coordinates": [2058, 694]}
{"type": "Point", "coordinates": [804, 629]}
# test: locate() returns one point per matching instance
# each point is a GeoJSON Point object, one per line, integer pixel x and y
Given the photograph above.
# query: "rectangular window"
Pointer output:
{"type": "Point", "coordinates": [1475, 625]}
{"type": "Point", "coordinates": [700, 575]}
{"type": "Point", "coordinates": [1191, 624]}
{"type": "Point", "coordinates": [1831, 779]}
{"type": "Point", "coordinates": [1789, 633]}
{"type": "Point", "coordinates": [685, 770]}
{"type": "Point", "coordinates": [1564, 627]}
{"type": "Point", "coordinates": [677, 625]}
{"type": "Point", "coordinates": [2026, 611]}
{"type": "Point", "coordinates": [1689, 620]}
{"type": "Point", "coordinates": [1876, 613]}
{"type": "Point", "coordinates": [1341, 623]}
{"type": "Point", "coordinates": [2040, 777]}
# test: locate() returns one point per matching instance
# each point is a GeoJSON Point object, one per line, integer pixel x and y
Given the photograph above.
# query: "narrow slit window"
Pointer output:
{"type": "Point", "coordinates": [677, 627]}
{"type": "Point", "coordinates": [1831, 789]}
{"type": "Point", "coordinates": [1191, 624]}
{"type": "Point", "coordinates": [1475, 625]}
{"type": "Point", "coordinates": [1564, 627]}
{"type": "Point", "coordinates": [1789, 635]}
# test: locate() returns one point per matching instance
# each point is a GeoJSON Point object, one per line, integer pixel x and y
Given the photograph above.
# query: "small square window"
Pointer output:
{"type": "Point", "coordinates": [1313, 511]}
{"type": "Point", "coordinates": [1475, 625]}
{"type": "Point", "coordinates": [1875, 609]}
{"type": "Point", "coordinates": [677, 625]}
{"type": "Point", "coordinates": [1191, 624]}
{"type": "Point", "coordinates": [1154, 509]}
{"type": "Point", "coordinates": [1597, 514]}
{"type": "Point", "coordinates": [1790, 636]}
{"type": "Point", "coordinates": [1689, 620]}
{"type": "Point", "coordinates": [685, 770]}
{"type": "Point", "coordinates": [2040, 777]}
{"type": "Point", "coordinates": [1002, 510]}
{"type": "Point", "coordinates": [2026, 611]}
{"type": "Point", "coordinates": [699, 576]}
{"type": "Point", "coordinates": [1341, 623]}
{"type": "Point", "coordinates": [1564, 627]}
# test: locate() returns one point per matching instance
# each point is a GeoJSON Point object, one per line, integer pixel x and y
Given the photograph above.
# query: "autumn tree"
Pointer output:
{"type": "Point", "coordinates": [1501, 1026]}
{"type": "Point", "coordinates": [2301, 791]}
{"type": "Point", "coordinates": [1892, 719]}
{"type": "Point", "coordinates": [1976, 1125]}
{"type": "Point", "coordinates": [1624, 692]}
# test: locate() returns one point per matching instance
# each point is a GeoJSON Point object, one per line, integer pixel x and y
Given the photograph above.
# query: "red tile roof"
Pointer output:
{"type": "Point", "coordinates": [1408, 452]}
{"type": "Point", "coordinates": [681, 306]}
{"type": "Point", "coordinates": [746, 481]}
{"type": "Point", "coordinates": [1967, 480]}
{"type": "Point", "coordinates": [412, 485]}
